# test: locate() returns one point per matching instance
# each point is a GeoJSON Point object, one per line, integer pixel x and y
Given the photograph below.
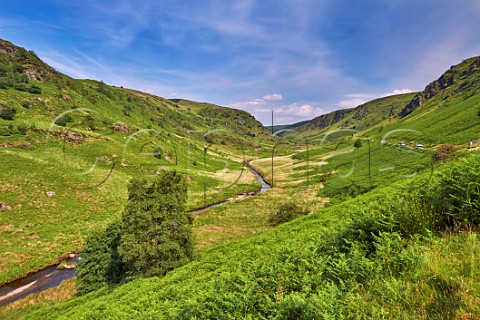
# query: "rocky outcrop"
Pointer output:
{"type": "Point", "coordinates": [337, 116]}
{"type": "Point", "coordinates": [328, 119]}
{"type": "Point", "coordinates": [33, 74]}
{"type": "Point", "coordinates": [8, 48]}
{"type": "Point", "coordinates": [320, 122]}
{"type": "Point", "coordinates": [465, 74]}
{"type": "Point", "coordinates": [4, 206]}
{"type": "Point", "coordinates": [360, 112]}
{"type": "Point", "coordinates": [121, 127]}
{"type": "Point", "coordinates": [412, 105]}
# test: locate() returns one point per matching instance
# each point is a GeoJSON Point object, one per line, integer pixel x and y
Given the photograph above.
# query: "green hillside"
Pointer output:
{"type": "Point", "coordinates": [69, 147]}
{"type": "Point", "coordinates": [373, 257]}
{"type": "Point", "coordinates": [392, 231]}
{"type": "Point", "coordinates": [445, 112]}
{"type": "Point", "coordinates": [371, 114]}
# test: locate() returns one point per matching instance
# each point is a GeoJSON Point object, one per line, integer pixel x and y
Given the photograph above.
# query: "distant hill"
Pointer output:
{"type": "Point", "coordinates": [446, 111]}
{"type": "Point", "coordinates": [363, 116]}
{"type": "Point", "coordinates": [282, 128]}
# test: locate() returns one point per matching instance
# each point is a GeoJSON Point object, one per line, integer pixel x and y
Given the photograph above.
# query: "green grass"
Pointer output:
{"type": "Point", "coordinates": [351, 260]}
{"type": "Point", "coordinates": [55, 225]}
{"type": "Point", "coordinates": [90, 175]}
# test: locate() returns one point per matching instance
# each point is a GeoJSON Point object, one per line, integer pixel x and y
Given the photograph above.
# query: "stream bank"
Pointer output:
{"type": "Point", "coordinates": [52, 276]}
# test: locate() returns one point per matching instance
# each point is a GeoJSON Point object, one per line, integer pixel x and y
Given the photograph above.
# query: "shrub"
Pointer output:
{"type": "Point", "coordinates": [127, 110]}
{"type": "Point", "coordinates": [22, 130]}
{"type": "Point", "coordinates": [157, 153]}
{"type": "Point", "coordinates": [34, 89]}
{"type": "Point", "coordinates": [285, 213]}
{"type": "Point", "coordinates": [8, 113]}
{"type": "Point", "coordinates": [64, 120]}
{"type": "Point", "coordinates": [444, 152]}
{"type": "Point", "coordinates": [20, 86]}
{"type": "Point", "coordinates": [451, 198]}
{"type": "Point", "coordinates": [357, 143]}
{"type": "Point", "coordinates": [157, 233]}
{"type": "Point", "coordinates": [100, 263]}
{"type": "Point", "coordinates": [90, 122]}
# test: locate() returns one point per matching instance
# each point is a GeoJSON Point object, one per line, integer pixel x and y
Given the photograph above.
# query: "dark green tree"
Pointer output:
{"type": "Point", "coordinates": [157, 234]}
{"type": "Point", "coordinates": [100, 264]}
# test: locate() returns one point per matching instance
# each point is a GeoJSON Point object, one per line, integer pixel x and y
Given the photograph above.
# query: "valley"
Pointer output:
{"type": "Point", "coordinates": [389, 190]}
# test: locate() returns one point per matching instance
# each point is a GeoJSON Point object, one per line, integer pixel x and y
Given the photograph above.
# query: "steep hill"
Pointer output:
{"type": "Point", "coordinates": [366, 116]}
{"type": "Point", "coordinates": [464, 78]}
{"type": "Point", "coordinates": [37, 91]}
{"type": "Point", "coordinates": [445, 112]}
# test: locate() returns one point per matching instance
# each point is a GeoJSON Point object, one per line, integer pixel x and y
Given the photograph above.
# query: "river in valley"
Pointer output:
{"type": "Point", "coordinates": [52, 276]}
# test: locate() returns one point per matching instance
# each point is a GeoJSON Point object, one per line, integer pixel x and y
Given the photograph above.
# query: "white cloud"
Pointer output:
{"type": "Point", "coordinates": [360, 95]}
{"type": "Point", "coordinates": [352, 103]}
{"type": "Point", "coordinates": [296, 112]}
{"type": "Point", "coordinates": [299, 110]}
{"type": "Point", "coordinates": [65, 64]}
{"type": "Point", "coordinates": [286, 114]}
{"type": "Point", "coordinates": [396, 91]}
{"type": "Point", "coordinates": [273, 97]}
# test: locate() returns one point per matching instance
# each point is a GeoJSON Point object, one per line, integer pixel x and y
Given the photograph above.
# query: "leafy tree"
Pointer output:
{"type": "Point", "coordinates": [157, 233]}
{"type": "Point", "coordinates": [100, 264]}
{"type": "Point", "coordinates": [8, 113]}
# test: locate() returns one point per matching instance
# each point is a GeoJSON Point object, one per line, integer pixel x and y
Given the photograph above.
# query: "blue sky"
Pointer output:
{"type": "Point", "coordinates": [300, 58]}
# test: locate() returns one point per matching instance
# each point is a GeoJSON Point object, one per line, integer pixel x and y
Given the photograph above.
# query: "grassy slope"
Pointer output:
{"type": "Point", "coordinates": [326, 265]}
{"type": "Point", "coordinates": [118, 132]}
{"type": "Point", "coordinates": [447, 114]}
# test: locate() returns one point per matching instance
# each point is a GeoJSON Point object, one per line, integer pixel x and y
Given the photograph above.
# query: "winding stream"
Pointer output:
{"type": "Point", "coordinates": [265, 186]}
{"type": "Point", "coordinates": [52, 276]}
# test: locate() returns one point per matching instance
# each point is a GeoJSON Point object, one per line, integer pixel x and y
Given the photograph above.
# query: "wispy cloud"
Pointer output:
{"type": "Point", "coordinates": [66, 64]}
{"type": "Point", "coordinates": [283, 114]}
{"type": "Point", "coordinates": [273, 97]}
